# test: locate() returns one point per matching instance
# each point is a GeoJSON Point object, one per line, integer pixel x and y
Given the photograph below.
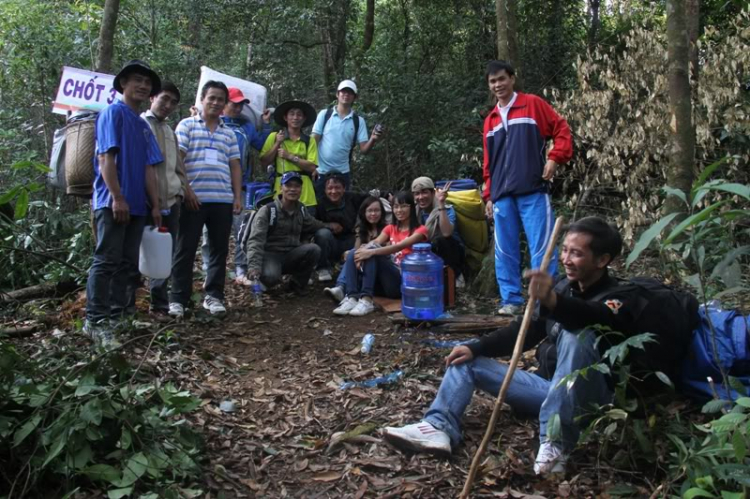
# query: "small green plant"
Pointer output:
{"type": "Point", "coordinates": [715, 463]}
{"type": "Point", "coordinates": [69, 421]}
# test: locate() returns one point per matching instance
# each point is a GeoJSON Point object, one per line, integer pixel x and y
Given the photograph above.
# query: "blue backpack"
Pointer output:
{"type": "Point", "coordinates": [732, 347]}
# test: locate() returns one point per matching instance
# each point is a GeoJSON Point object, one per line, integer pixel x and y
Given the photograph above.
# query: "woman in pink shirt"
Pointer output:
{"type": "Point", "coordinates": [376, 266]}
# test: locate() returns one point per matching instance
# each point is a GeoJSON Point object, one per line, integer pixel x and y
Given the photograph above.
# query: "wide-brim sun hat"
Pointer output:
{"type": "Point", "coordinates": [279, 114]}
{"type": "Point", "coordinates": [138, 66]}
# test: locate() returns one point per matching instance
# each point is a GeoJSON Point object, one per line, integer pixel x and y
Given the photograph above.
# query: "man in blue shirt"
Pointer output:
{"type": "Point", "coordinates": [124, 176]}
{"type": "Point", "coordinates": [334, 131]}
{"type": "Point", "coordinates": [440, 220]}
{"type": "Point", "coordinates": [247, 136]}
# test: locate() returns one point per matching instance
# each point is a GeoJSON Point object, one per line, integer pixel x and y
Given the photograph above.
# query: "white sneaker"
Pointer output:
{"type": "Point", "coordinates": [550, 459]}
{"type": "Point", "coordinates": [460, 282]}
{"type": "Point", "coordinates": [335, 293]}
{"type": "Point", "coordinates": [364, 307]}
{"type": "Point", "coordinates": [324, 275]}
{"type": "Point", "coordinates": [510, 310]}
{"type": "Point", "coordinates": [347, 305]}
{"type": "Point", "coordinates": [176, 310]}
{"type": "Point", "coordinates": [419, 437]}
{"type": "Point", "coordinates": [214, 306]}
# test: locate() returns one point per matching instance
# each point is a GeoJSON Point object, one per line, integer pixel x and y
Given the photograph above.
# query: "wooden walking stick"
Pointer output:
{"type": "Point", "coordinates": [517, 351]}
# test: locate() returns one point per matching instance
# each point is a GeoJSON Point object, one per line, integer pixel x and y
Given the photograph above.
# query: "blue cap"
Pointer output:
{"type": "Point", "coordinates": [289, 176]}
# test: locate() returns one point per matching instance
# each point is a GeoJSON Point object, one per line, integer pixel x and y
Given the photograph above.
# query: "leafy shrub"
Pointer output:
{"type": "Point", "coordinates": [68, 420]}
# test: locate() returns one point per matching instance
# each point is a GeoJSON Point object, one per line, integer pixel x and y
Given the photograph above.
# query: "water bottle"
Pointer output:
{"type": "Point", "coordinates": [257, 293]}
{"type": "Point", "coordinates": [372, 383]}
{"type": "Point", "coordinates": [155, 259]}
{"type": "Point", "coordinates": [367, 342]}
{"type": "Point", "coordinates": [422, 284]}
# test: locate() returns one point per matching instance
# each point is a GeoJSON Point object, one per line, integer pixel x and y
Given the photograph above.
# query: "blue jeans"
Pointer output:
{"type": "Point", "coordinates": [378, 273]}
{"type": "Point", "coordinates": [115, 263]}
{"type": "Point", "coordinates": [331, 247]}
{"type": "Point", "coordinates": [528, 394]}
{"type": "Point", "coordinates": [534, 212]}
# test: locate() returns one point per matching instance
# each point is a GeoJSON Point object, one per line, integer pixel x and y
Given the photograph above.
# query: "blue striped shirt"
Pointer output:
{"type": "Point", "coordinates": [211, 181]}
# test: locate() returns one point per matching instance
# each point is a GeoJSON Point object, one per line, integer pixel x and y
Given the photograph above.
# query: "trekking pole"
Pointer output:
{"type": "Point", "coordinates": [517, 351]}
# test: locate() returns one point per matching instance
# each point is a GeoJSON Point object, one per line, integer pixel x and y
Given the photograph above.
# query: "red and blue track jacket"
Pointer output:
{"type": "Point", "coordinates": [514, 157]}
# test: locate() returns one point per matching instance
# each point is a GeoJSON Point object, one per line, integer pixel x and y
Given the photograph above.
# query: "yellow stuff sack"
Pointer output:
{"type": "Point", "coordinates": [472, 226]}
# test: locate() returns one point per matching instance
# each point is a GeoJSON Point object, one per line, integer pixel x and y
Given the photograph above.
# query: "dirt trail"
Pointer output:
{"type": "Point", "coordinates": [282, 365]}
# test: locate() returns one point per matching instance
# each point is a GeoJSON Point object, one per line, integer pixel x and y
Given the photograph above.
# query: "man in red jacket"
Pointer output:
{"type": "Point", "coordinates": [517, 177]}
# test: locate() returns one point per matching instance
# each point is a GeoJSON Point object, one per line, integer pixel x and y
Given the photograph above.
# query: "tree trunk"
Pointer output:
{"type": "Point", "coordinates": [333, 32]}
{"type": "Point", "coordinates": [593, 21]}
{"type": "Point", "coordinates": [249, 61]}
{"type": "Point", "coordinates": [369, 26]}
{"type": "Point", "coordinates": [107, 36]}
{"type": "Point", "coordinates": [680, 172]}
{"type": "Point", "coordinates": [692, 13]}
{"type": "Point", "coordinates": [507, 47]}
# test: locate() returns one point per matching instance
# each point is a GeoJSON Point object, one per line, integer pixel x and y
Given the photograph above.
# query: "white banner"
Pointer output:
{"type": "Point", "coordinates": [253, 92]}
{"type": "Point", "coordinates": [84, 90]}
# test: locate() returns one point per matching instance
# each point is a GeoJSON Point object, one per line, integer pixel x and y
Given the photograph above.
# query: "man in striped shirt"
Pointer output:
{"type": "Point", "coordinates": [212, 163]}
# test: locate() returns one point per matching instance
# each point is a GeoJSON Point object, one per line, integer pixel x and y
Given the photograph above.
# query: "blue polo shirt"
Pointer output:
{"type": "Point", "coordinates": [336, 140]}
{"type": "Point", "coordinates": [121, 130]}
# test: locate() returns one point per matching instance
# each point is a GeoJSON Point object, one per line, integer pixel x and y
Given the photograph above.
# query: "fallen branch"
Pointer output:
{"type": "Point", "coordinates": [461, 319]}
{"type": "Point", "coordinates": [517, 351]}
{"type": "Point", "coordinates": [19, 331]}
{"type": "Point", "coordinates": [30, 292]}
{"type": "Point", "coordinates": [44, 255]}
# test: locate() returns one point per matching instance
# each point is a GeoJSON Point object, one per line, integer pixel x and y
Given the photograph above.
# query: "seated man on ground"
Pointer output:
{"type": "Point", "coordinates": [440, 220]}
{"type": "Point", "coordinates": [275, 246]}
{"type": "Point", "coordinates": [567, 316]}
{"type": "Point", "coordinates": [338, 208]}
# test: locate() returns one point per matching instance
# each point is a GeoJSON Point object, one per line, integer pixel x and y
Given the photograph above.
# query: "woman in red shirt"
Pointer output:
{"type": "Point", "coordinates": [376, 266]}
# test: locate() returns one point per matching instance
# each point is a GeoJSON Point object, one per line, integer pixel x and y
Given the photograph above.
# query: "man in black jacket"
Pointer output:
{"type": "Point", "coordinates": [567, 317]}
{"type": "Point", "coordinates": [339, 208]}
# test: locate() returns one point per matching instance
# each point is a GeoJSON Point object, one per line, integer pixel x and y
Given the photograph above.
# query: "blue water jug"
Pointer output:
{"type": "Point", "coordinates": [422, 284]}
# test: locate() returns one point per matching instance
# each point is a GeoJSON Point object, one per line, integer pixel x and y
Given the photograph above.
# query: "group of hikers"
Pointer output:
{"type": "Point", "coordinates": [191, 179]}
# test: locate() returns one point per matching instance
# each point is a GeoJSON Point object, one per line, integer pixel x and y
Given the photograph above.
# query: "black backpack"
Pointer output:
{"type": "Point", "coordinates": [667, 313]}
{"type": "Point", "coordinates": [355, 118]}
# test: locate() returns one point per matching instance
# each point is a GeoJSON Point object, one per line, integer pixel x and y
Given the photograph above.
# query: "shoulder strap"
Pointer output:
{"type": "Point", "coordinates": [329, 113]}
{"type": "Point", "coordinates": [355, 117]}
{"type": "Point", "coordinates": [305, 140]}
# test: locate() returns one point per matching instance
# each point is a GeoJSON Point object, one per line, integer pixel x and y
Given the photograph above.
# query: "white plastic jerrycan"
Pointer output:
{"type": "Point", "coordinates": [156, 253]}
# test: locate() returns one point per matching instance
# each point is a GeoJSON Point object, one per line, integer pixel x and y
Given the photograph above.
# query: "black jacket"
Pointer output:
{"type": "Point", "coordinates": [343, 213]}
{"type": "Point", "coordinates": [574, 310]}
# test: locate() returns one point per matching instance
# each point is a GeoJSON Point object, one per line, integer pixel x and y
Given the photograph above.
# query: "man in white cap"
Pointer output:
{"type": "Point", "coordinates": [337, 131]}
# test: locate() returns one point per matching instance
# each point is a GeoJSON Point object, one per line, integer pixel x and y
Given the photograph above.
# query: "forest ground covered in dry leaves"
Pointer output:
{"type": "Point", "coordinates": [295, 433]}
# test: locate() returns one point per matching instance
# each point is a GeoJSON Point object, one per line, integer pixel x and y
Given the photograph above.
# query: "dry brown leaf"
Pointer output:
{"type": "Point", "coordinates": [328, 476]}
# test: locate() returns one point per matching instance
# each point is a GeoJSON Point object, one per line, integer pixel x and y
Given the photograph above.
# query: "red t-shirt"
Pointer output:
{"type": "Point", "coordinates": [395, 236]}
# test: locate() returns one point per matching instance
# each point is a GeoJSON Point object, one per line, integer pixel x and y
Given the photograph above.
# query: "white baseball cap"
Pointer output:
{"type": "Point", "coordinates": [348, 84]}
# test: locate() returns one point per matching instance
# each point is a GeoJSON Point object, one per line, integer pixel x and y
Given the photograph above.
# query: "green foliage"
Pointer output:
{"type": "Point", "coordinates": [46, 240]}
{"type": "Point", "coordinates": [709, 246]}
{"type": "Point", "coordinates": [715, 462]}
{"type": "Point", "coordinates": [74, 421]}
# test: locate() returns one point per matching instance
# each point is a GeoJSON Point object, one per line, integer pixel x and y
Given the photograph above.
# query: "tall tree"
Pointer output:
{"type": "Point", "coordinates": [507, 46]}
{"type": "Point", "coordinates": [680, 172]}
{"type": "Point", "coordinates": [333, 33]}
{"type": "Point", "coordinates": [107, 36]}
{"type": "Point", "coordinates": [692, 12]}
{"type": "Point", "coordinates": [593, 8]}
